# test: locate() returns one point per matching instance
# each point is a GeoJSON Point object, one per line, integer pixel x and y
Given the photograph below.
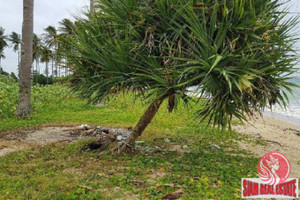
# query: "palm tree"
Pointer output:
{"type": "Point", "coordinates": [91, 6]}
{"type": "Point", "coordinates": [16, 41]}
{"type": "Point", "coordinates": [52, 40]}
{"type": "Point", "coordinates": [24, 107]}
{"type": "Point", "coordinates": [216, 46]}
{"type": "Point", "coordinates": [67, 27]}
{"type": "Point", "coordinates": [3, 44]}
{"type": "Point", "coordinates": [45, 58]}
{"type": "Point", "coordinates": [67, 30]}
{"type": "Point", "coordinates": [37, 47]}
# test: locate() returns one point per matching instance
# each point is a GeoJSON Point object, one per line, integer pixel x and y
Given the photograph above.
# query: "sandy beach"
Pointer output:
{"type": "Point", "coordinates": [278, 135]}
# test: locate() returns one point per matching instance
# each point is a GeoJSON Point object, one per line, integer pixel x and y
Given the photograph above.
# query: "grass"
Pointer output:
{"type": "Point", "coordinates": [63, 171]}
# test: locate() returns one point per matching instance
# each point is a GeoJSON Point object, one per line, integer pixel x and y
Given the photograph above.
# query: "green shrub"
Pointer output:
{"type": "Point", "coordinates": [40, 79]}
{"type": "Point", "coordinates": [8, 96]}
{"type": "Point", "coordinates": [52, 97]}
{"type": "Point", "coordinates": [64, 80]}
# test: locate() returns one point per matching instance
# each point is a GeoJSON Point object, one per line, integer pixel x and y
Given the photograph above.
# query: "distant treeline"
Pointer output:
{"type": "Point", "coordinates": [40, 79]}
{"type": "Point", "coordinates": [12, 75]}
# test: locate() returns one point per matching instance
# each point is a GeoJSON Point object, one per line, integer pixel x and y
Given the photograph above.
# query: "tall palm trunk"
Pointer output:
{"type": "Point", "coordinates": [91, 6]}
{"type": "Point", "coordinates": [24, 107]}
{"type": "Point", "coordinates": [52, 68]}
{"type": "Point", "coordinates": [59, 68]}
{"type": "Point", "coordinates": [47, 73]}
{"type": "Point", "coordinates": [19, 56]}
{"type": "Point", "coordinates": [56, 68]}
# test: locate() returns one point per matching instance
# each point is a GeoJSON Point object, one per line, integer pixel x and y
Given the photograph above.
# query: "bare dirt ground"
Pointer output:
{"type": "Point", "coordinates": [277, 136]}
{"type": "Point", "coordinates": [25, 139]}
{"type": "Point", "coordinates": [273, 136]}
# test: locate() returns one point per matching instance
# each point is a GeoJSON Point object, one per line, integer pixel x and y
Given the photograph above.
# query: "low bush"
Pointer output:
{"type": "Point", "coordinates": [52, 97]}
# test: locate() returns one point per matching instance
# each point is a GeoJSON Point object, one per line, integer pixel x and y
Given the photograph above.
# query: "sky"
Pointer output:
{"type": "Point", "coordinates": [46, 12]}
{"type": "Point", "coordinates": [50, 12]}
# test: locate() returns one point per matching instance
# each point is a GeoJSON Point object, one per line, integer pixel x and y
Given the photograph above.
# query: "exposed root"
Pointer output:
{"type": "Point", "coordinates": [123, 147]}
{"type": "Point", "coordinates": [107, 137]}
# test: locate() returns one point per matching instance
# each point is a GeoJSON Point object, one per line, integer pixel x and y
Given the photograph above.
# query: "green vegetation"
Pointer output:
{"type": "Point", "coordinates": [3, 44]}
{"type": "Point", "coordinates": [45, 99]}
{"type": "Point", "coordinates": [63, 171]}
{"type": "Point", "coordinates": [40, 79]}
{"type": "Point", "coordinates": [240, 53]}
{"type": "Point", "coordinates": [136, 55]}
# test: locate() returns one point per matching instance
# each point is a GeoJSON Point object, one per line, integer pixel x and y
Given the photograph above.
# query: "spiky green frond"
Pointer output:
{"type": "Point", "coordinates": [239, 53]}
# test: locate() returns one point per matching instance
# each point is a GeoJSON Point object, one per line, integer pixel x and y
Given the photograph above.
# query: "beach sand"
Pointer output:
{"type": "Point", "coordinates": [279, 136]}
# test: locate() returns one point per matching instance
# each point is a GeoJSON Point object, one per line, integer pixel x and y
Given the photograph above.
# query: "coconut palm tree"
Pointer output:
{"type": "Point", "coordinates": [24, 107]}
{"type": "Point", "coordinates": [67, 30]}
{"type": "Point", "coordinates": [67, 27]}
{"type": "Point", "coordinates": [159, 49]}
{"type": "Point", "coordinates": [51, 38]}
{"type": "Point", "coordinates": [46, 54]}
{"type": "Point", "coordinates": [16, 41]}
{"type": "Point", "coordinates": [37, 48]}
{"type": "Point", "coordinates": [3, 44]}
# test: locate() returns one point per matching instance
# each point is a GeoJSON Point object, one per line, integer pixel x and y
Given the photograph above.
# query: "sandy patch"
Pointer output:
{"type": "Point", "coordinates": [279, 136]}
{"type": "Point", "coordinates": [21, 140]}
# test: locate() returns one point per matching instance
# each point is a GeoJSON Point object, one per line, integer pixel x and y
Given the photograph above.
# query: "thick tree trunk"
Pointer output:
{"type": "Point", "coordinates": [139, 128]}
{"type": "Point", "coordinates": [24, 107]}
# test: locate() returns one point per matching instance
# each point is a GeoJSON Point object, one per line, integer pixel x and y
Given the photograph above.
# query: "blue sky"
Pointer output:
{"type": "Point", "coordinates": [50, 12]}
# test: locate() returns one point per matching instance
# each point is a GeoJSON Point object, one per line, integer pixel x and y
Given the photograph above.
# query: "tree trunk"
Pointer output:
{"type": "Point", "coordinates": [47, 73]}
{"type": "Point", "coordinates": [91, 6]}
{"type": "Point", "coordinates": [56, 68]}
{"type": "Point", "coordinates": [24, 107]}
{"type": "Point", "coordinates": [59, 68]}
{"type": "Point", "coordinates": [52, 67]}
{"type": "Point", "coordinates": [19, 52]}
{"type": "Point", "coordinates": [139, 128]}
{"type": "Point", "coordinates": [39, 69]}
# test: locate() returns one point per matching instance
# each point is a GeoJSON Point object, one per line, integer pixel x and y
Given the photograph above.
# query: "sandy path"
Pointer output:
{"type": "Point", "coordinates": [279, 136]}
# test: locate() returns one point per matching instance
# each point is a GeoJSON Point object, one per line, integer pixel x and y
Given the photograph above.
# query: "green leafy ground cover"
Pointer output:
{"type": "Point", "coordinates": [64, 171]}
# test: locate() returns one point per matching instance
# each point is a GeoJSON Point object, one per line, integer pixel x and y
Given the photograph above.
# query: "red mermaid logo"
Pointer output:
{"type": "Point", "coordinates": [274, 168]}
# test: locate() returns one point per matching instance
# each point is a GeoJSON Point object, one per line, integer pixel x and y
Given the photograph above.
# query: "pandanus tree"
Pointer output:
{"type": "Point", "coordinates": [3, 44]}
{"type": "Point", "coordinates": [240, 53]}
